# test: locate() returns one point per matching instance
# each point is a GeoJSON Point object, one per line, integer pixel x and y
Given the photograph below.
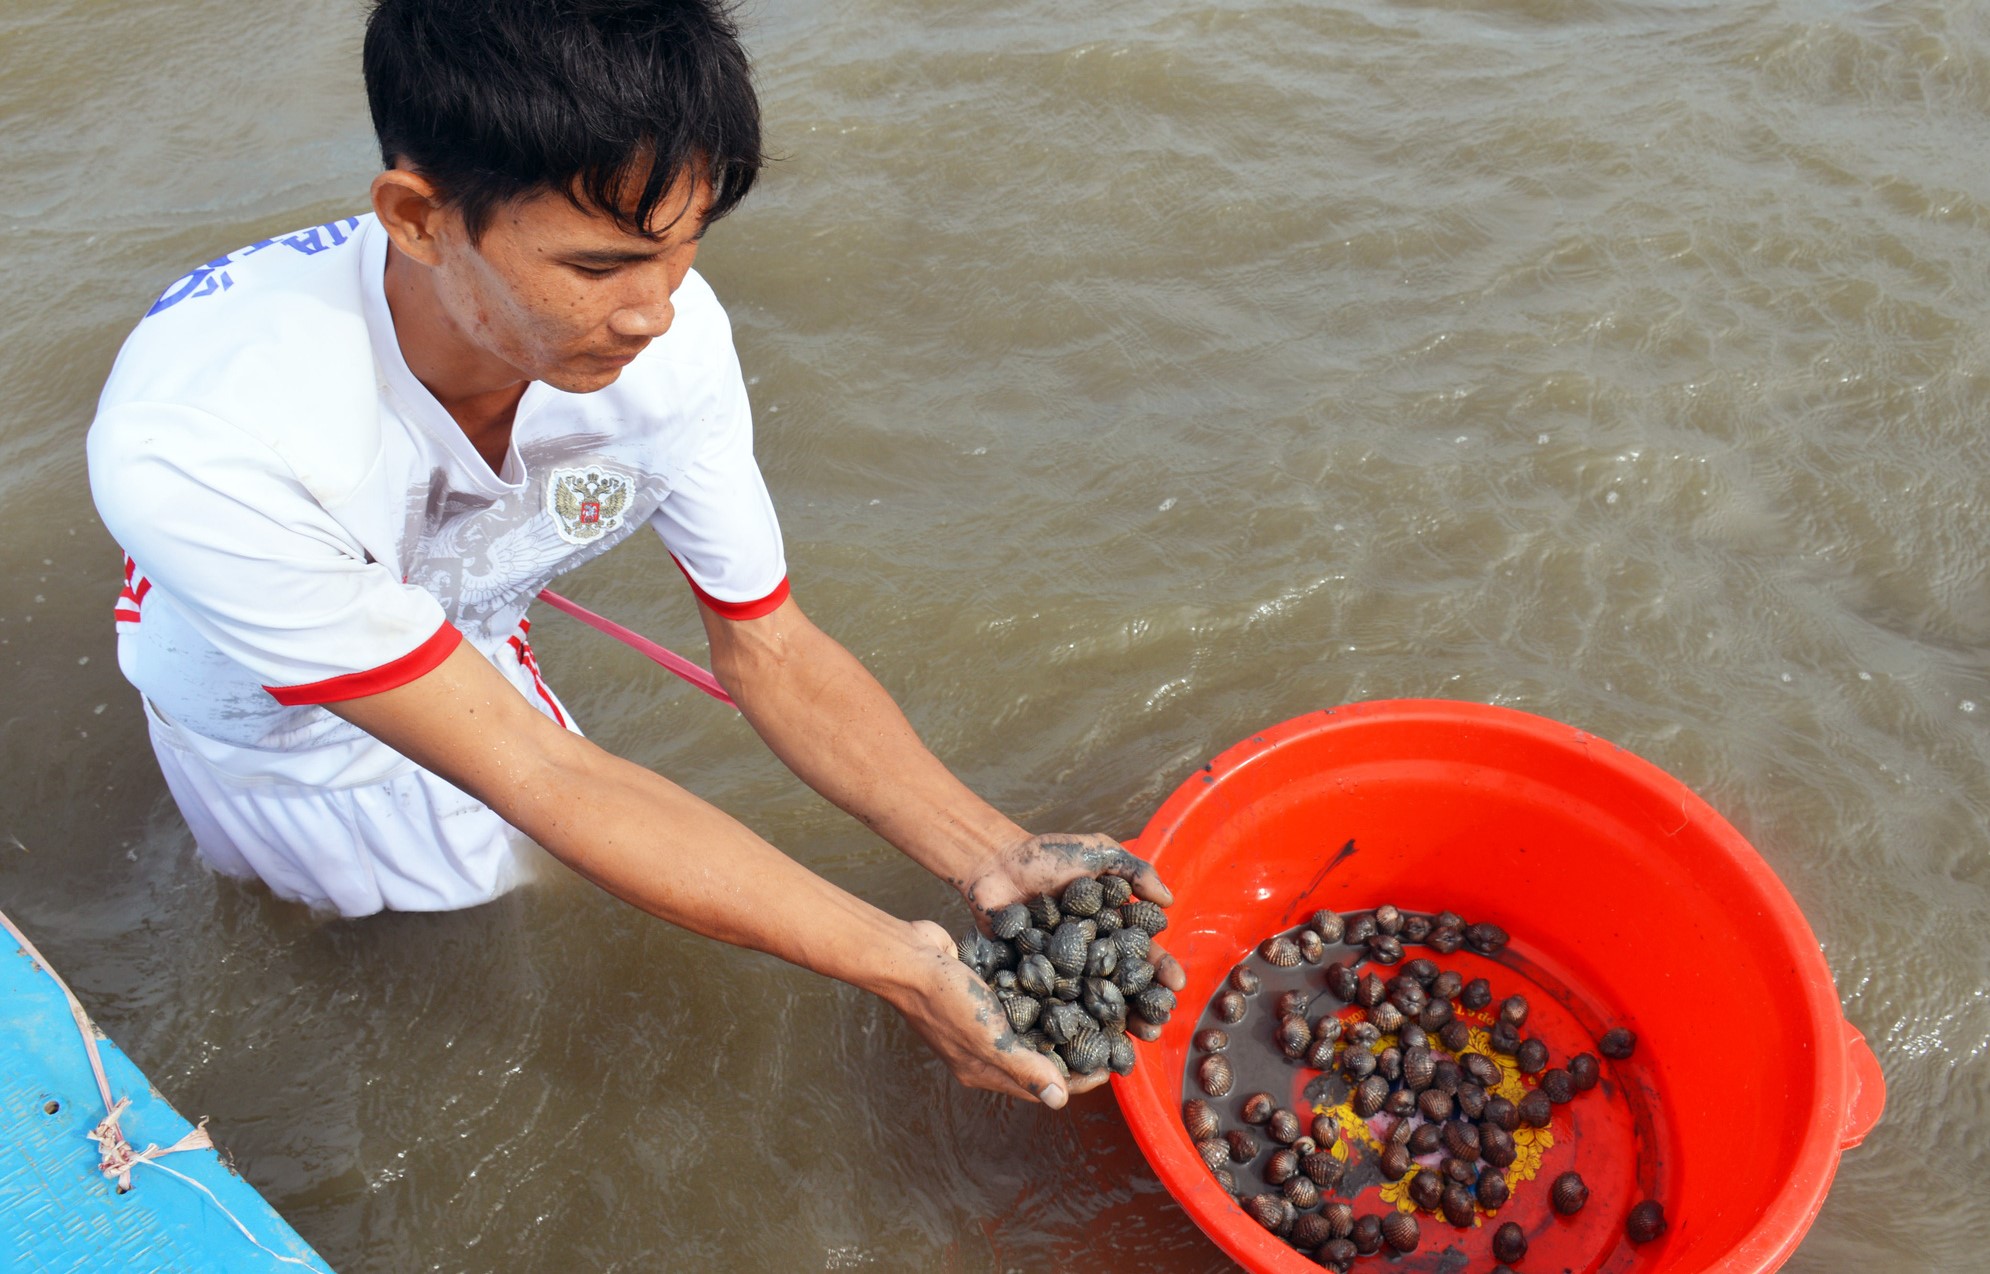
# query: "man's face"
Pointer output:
{"type": "Point", "coordinates": [562, 294]}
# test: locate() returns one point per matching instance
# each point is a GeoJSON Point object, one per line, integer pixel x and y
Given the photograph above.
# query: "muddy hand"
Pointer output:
{"type": "Point", "coordinates": [961, 1020]}
{"type": "Point", "coordinates": [1045, 864]}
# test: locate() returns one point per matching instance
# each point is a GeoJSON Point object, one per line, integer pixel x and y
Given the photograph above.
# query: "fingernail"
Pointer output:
{"type": "Point", "coordinates": [1053, 1096]}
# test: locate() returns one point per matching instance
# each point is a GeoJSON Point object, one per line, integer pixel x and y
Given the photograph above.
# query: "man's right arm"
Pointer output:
{"type": "Point", "coordinates": [656, 846]}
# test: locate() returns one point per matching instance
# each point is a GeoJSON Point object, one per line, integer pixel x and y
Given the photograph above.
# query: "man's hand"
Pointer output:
{"type": "Point", "coordinates": [1045, 864]}
{"type": "Point", "coordinates": [960, 1019]}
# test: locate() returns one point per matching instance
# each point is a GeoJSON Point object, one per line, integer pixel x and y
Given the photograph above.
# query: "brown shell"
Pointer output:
{"type": "Point", "coordinates": [1502, 1113]}
{"type": "Point", "coordinates": [1336, 1254]}
{"type": "Point", "coordinates": [1568, 1194]}
{"type": "Point", "coordinates": [1281, 951]}
{"type": "Point", "coordinates": [1388, 918]}
{"type": "Point", "coordinates": [1444, 940]}
{"type": "Point", "coordinates": [1425, 1138]}
{"type": "Point", "coordinates": [1294, 1035]}
{"type": "Point", "coordinates": [1324, 1169]}
{"type": "Point", "coordinates": [1418, 1069]}
{"type": "Point", "coordinates": [1401, 1130]}
{"type": "Point", "coordinates": [1385, 948]}
{"type": "Point", "coordinates": [1305, 1146]}
{"type": "Point", "coordinates": [1009, 922]}
{"type": "Point", "coordinates": [1320, 1053]}
{"type": "Point", "coordinates": [1461, 1139]}
{"type": "Point", "coordinates": [1300, 1191]}
{"type": "Point", "coordinates": [1475, 995]}
{"type": "Point", "coordinates": [1339, 1218]}
{"type": "Point", "coordinates": [1257, 1108]}
{"type": "Point", "coordinates": [1531, 1057]}
{"type": "Point", "coordinates": [1618, 1044]}
{"type": "Point", "coordinates": [1267, 1210]}
{"type": "Point", "coordinates": [1509, 1243]}
{"type": "Point", "coordinates": [1212, 1040]}
{"type": "Point", "coordinates": [1329, 925]}
{"type": "Point", "coordinates": [1243, 1146]}
{"type": "Point", "coordinates": [1480, 1069]}
{"type": "Point", "coordinates": [1493, 1191]}
{"type": "Point", "coordinates": [1503, 1039]}
{"type": "Point", "coordinates": [1536, 1110]}
{"type": "Point", "coordinates": [1389, 1063]}
{"type": "Point", "coordinates": [1556, 1084]}
{"type": "Point", "coordinates": [1423, 969]}
{"type": "Point", "coordinates": [1513, 1011]}
{"type": "Point", "coordinates": [1155, 1003]}
{"type": "Point", "coordinates": [1343, 981]}
{"type": "Point", "coordinates": [1485, 937]}
{"type": "Point", "coordinates": [1427, 1189]}
{"type": "Point", "coordinates": [1394, 1163]}
{"type": "Point", "coordinates": [1215, 1076]}
{"type": "Point", "coordinates": [1401, 1103]}
{"type": "Point", "coordinates": [1361, 1035]}
{"type": "Point", "coordinates": [1445, 1076]}
{"type": "Point", "coordinates": [1215, 1153]}
{"type": "Point", "coordinates": [1327, 1027]}
{"type": "Point", "coordinates": [1496, 1145]}
{"type": "Point", "coordinates": [1367, 1234]}
{"type": "Point", "coordinates": [1359, 930]}
{"type": "Point", "coordinates": [1122, 1058]}
{"type": "Point", "coordinates": [1408, 995]}
{"type": "Point", "coordinates": [1401, 1231]}
{"type": "Point", "coordinates": [1200, 1118]}
{"type": "Point", "coordinates": [1387, 1017]}
{"type": "Point", "coordinates": [1358, 1064]}
{"type": "Point", "coordinates": [1458, 1205]}
{"type": "Point", "coordinates": [1646, 1222]}
{"type": "Point", "coordinates": [1458, 1171]}
{"type": "Point", "coordinates": [1245, 979]}
{"type": "Point", "coordinates": [1413, 1036]}
{"type": "Point", "coordinates": [1310, 1230]}
{"type": "Point", "coordinates": [1434, 1104]}
{"type": "Point", "coordinates": [1279, 1168]}
{"type": "Point", "coordinates": [1370, 992]}
{"type": "Point", "coordinates": [1369, 1095]}
{"type": "Point", "coordinates": [1583, 1072]}
{"type": "Point", "coordinates": [1447, 985]}
{"type": "Point", "coordinates": [1088, 1051]}
{"type": "Point", "coordinates": [1455, 1035]}
{"type": "Point", "coordinates": [1283, 1127]}
{"type": "Point", "coordinates": [1117, 889]}
{"type": "Point", "coordinates": [1416, 928]}
{"type": "Point", "coordinates": [1325, 1130]}
{"type": "Point", "coordinates": [1435, 1014]}
{"type": "Point", "coordinates": [1291, 1002]}
{"type": "Point", "coordinates": [1311, 948]}
{"type": "Point", "coordinates": [1231, 1007]}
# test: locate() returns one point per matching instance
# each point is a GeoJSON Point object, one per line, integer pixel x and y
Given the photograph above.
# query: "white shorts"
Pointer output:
{"type": "Point", "coordinates": [408, 842]}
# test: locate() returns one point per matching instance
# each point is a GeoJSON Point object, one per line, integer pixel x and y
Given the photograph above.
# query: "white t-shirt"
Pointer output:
{"type": "Point", "coordinates": [303, 522]}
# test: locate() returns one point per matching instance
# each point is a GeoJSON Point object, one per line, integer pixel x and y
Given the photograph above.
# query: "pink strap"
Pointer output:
{"type": "Point", "coordinates": [675, 663]}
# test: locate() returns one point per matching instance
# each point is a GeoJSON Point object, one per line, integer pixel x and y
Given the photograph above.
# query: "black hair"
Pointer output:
{"type": "Point", "coordinates": [494, 100]}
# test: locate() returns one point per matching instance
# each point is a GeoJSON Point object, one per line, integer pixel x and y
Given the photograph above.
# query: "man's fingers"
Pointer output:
{"type": "Point", "coordinates": [1086, 1083]}
{"type": "Point", "coordinates": [1166, 970]}
{"type": "Point", "coordinates": [1142, 1029]}
{"type": "Point", "coordinates": [1147, 883]}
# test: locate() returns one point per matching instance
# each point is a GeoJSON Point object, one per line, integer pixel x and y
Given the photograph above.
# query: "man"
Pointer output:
{"type": "Point", "coordinates": [343, 462]}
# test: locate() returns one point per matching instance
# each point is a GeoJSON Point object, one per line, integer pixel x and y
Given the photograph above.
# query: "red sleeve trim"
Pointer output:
{"type": "Point", "coordinates": [417, 663]}
{"type": "Point", "coordinates": [738, 610]}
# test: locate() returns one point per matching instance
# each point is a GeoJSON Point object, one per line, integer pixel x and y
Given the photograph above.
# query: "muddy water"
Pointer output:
{"type": "Point", "coordinates": [1129, 377]}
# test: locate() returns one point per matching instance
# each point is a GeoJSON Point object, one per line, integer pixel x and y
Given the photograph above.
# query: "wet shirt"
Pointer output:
{"type": "Point", "coordinates": [303, 522]}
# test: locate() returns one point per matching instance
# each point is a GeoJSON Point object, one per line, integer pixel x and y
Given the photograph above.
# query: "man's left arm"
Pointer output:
{"type": "Point", "coordinates": [829, 721]}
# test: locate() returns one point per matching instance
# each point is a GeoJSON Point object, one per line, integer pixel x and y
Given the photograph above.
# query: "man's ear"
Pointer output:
{"type": "Point", "coordinates": [411, 211]}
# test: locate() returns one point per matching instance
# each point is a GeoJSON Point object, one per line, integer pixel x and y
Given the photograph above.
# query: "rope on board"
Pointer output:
{"type": "Point", "coordinates": [115, 1156]}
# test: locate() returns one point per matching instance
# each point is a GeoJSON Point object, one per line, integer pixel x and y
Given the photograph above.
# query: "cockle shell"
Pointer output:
{"type": "Point", "coordinates": [1343, 981]}
{"type": "Point", "coordinates": [1394, 1163]}
{"type": "Point", "coordinates": [1243, 1146]}
{"type": "Point", "coordinates": [1155, 1004]}
{"type": "Point", "coordinates": [1104, 1002]}
{"type": "Point", "coordinates": [1212, 1040]}
{"type": "Point", "coordinates": [1424, 1139]}
{"type": "Point", "coordinates": [1133, 976]}
{"type": "Point", "coordinates": [1279, 1168]}
{"type": "Point", "coordinates": [1401, 1231]}
{"type": "Point", "coordinates": [1646, 1222]}
{"type": "Point", "coordinates": [1556, 1084]}
{"type": "Point", "coordinates": [1385, 948]}
{"type": "Point", "coordinates": [1458, 1205]}
{"type": "Point", "coordinates": [1618, 1044]}
{"type": "Point", "coordinates": [1087, 1051]}
{"type": "Point", "coordinates": [1309, 1231]}
{"type": "Point", "coordinates": [1583, 1072]}
{"type": "Point", "coordinates": [1101, 958]}
{"type": "Point", "coordinates": [1485, 938]}
{"type": "Point", "coordinates": [1117, 890]}
{"type": "Point", "coordinates": [1231, 1007]}
{"type": "Point", "coordinates": [1257, 1108]}
{"type": "Point", "coordinates": [1509, 1243]}
{"type": "Point", "coordinates": [1444, 940]}
{"type": "Point", "coordinates": [1199, 1117]}
{"type": "Point", "coordinates": [1283, 1127]}
{"type": "Point", "coordinates": [1475, 995]}
{"type": "Point", "coordinates": [1493, 1191]}
{"type": "Point", "coordinates": [1513, 1011]}
{"type": "Point", "coordinates": [1568, 1194]}
{"type": "Point", "coordinates": [1141, 914]}
{"type": "Point", "coordinates": [1068, 948]}
{"type": "Point", "coordinates": [1531, 1057]}
{"type": "Point", "coordinates": [1366, 1234]}
{"type": "Point", "coordinates": [1496, 1145]}
{"type": "Point", "coordinates": [1044, 912]}
{"type": "Point", "coordinates": [1323, 1168]}
{"type": "Point", "coordinates": [1281, 951]}
{"type": "Point", "coordinates": [1215, 1154]}
{"type": "Point", "coordinates": [1133, 944]}
{"type": "Point", "coordinates": [1265, 1209]}
{"type": "Point", "coordinates": [1010, 921]}
{"type": "Point", "coordinates": [1369, 1095]}
{"type": "Point", "coordinates": [1214, 1074]}
{"type": "Point", "coordinates": [1082, 897]}
{"type": "Point", "coordinates": [1022, 1011]}
{"type": "Point", "coordinates": [1243, 978]}
{"type": "Point", "coordinates": [1535, 1109]}
{"type": "Point", "coordinates": [1329, 925]}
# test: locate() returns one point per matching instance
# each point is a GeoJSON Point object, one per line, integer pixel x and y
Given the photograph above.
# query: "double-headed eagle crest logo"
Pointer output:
{"type": "Point", "coordinates": [587, 504]}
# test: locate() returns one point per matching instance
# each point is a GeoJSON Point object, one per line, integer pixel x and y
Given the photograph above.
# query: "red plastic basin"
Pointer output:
{"type": "Point", "coordinates": [1625, 893]}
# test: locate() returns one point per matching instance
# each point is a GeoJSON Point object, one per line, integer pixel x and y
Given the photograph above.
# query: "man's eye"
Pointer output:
{"type": "Point", "coordinates": [596, 271]}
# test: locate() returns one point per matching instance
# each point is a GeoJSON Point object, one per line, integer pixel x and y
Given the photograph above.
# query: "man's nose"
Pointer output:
{"type": "Point", "coordinates": [648, 318]}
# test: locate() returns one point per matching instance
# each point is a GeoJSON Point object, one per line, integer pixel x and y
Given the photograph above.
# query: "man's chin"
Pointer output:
{"type": "Point", "coordinates": [583, 380]}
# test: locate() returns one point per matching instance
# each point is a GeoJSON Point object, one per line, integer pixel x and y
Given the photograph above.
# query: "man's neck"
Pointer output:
{"type": "Point", "coordinates": [479, 392]}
